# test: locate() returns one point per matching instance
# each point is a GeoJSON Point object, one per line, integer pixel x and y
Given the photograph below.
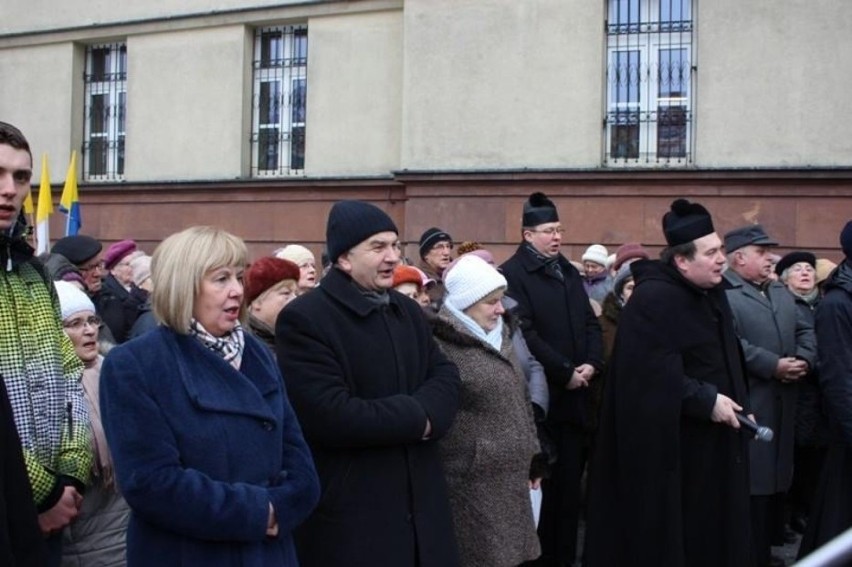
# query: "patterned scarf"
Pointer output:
{"type": "Point", "coordinates": [229, 346]}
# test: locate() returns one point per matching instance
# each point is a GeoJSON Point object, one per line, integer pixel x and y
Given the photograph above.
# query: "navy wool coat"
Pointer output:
{"type": "Point", "coordinates": [363, 379]}
{"type": "Point", "coordinates": [201, 450]}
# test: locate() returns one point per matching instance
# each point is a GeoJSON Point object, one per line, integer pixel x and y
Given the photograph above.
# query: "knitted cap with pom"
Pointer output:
{"type": "Point", "coordinates": [686, 222]}
{"type": "Point", "coordinates": [539, 210]}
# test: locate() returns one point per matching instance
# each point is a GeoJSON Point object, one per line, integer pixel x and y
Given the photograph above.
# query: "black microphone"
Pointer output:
{"type": "Point", "coordinates": [761, 433]}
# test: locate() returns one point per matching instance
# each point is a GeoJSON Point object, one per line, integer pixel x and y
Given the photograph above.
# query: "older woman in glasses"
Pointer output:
{"type": "Point", "coordinates": [207, 449]}
{"type": "Point", "coordinates": [96, 537]}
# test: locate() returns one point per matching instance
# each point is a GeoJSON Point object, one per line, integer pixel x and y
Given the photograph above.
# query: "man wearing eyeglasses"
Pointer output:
{"type": "Point", "coordinates": [37, 362]}
{"type": "Point", "coordinates": [564, 336]}
{"type": "Point", "coordinates": [436, 249]}
{"type": "Point", "coordinates": [87, 255]}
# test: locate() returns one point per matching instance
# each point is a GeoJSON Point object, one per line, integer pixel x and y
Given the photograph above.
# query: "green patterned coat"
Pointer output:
{"type": "Point", "coordinates": [42, 374]}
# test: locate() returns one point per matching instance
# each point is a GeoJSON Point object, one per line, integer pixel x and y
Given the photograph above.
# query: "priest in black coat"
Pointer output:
{"type": "Point", "coordinates": [669, 483]}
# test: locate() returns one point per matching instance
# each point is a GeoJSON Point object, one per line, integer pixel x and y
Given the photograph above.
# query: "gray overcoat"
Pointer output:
{"type": "Point", "coordinates": [769, 327]}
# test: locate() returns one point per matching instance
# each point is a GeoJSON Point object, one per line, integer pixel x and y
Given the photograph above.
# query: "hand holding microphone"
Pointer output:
{"type": "Point", "coordinates": [760, 432]}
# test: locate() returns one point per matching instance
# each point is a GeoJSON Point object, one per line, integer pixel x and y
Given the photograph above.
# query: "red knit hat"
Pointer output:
{"type": "Point", "coordinates": [407, 274]}
{"type": "Point", "coordinates": [265, 273]}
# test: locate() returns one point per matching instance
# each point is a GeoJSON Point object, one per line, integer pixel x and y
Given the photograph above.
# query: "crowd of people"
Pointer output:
{"type": "Point", "coordinates": [200, 407]}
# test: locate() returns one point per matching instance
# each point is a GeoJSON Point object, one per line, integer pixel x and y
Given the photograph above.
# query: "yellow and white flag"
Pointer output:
{"type": "Point", "coordinates": [44, 210]}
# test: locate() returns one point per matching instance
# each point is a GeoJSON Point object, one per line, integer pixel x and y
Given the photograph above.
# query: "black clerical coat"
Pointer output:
{"type": "Point", "coordinates": [667, 485]}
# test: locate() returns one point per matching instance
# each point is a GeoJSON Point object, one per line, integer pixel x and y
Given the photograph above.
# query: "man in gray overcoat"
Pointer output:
{"type": "Point", "coordinates": [779, 346]}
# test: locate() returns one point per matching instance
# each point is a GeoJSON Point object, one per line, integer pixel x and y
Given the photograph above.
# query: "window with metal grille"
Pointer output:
{"type": "Point", "coordinates": [280, 70]}
{"type": "Point", "coordinates": [105, 110]}
{"type": "Point", "coordinates": [650, 83]}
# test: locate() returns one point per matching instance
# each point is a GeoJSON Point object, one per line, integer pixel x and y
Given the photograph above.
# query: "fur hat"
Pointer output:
{"type": "Point", "coordinates": [295, 253]}
{"type": "Point", "coordinates": [846, 240]}
{"type": "Point", "coordinates": [596, 253]}
{"type": "Point", "coordinates": [629, 251]}
{"type": "Point", "coordinates": [539, 210]}
{"type": "Point", "coordinates": [72, 299]}
{"type": "Point", "coordinates": [407, 274]}
{"type": "Point", "coordinates": [265, 273]}
{"type": "Point", "coordinates": [471, 279]}
{"type": "Point", "coordinates": [794, 258]}
{"type": "Point", "coordinates": [141, 266]}
{"type": "Point", "coordinates": [431, 237]}
{"type": "Point", "coordinates": [352, 222]}
{"type": "Point", "coordinates": [117, 251]}
{"type": "Point", "coordinates": [78, 249]}
{"type": "Point", "coordinates": [686, 222]}
{"type": "Point", "coordinates": [824, 267]}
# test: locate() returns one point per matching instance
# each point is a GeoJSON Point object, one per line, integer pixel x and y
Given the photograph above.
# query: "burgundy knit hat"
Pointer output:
{"type": "Point", "coordinates": [629, 251]}
{"type": "Point", "coordinates": [265, 273]}
{"type": "Point", "coordinates": [117, 251]}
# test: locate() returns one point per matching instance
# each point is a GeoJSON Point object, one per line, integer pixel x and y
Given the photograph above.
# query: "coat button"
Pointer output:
{"type": "Point", "coordinates": [267, 425]}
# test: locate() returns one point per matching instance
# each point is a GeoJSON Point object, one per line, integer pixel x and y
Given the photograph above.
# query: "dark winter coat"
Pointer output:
{"type": "Point", "coordinates": [560, 328]}
{"type": "Point", "coordinates": [118, 307]}
{"type": "Point", "coordinates": [488, 451]}
{"type": "Point", "coordinates": [831, 513]}
{"type": "Point", "coordinates": [667, 486]}
{"type": "Point", "coordinates": [811, 421]}
{"type": "Point", "coordinates": [770, 327]}
{"type": "Point", "coordinates": [201, 450]}
{"type": "Point", "coordinates": [21, 541]}
{"type": "Point", "coordinates": [364, 377]}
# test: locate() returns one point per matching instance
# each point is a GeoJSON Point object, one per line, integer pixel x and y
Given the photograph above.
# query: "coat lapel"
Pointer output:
{"type": "Point", "coordinates": [215, 385]}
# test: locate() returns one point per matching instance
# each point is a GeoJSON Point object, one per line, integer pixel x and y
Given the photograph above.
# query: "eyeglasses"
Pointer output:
{"type": "Point", "coordinates": [89, 268]}
{"type": "Point", "coordinates": [443, 246]}
{"type": "Point", "coordinates": [550, 231]}
{"type": "Point", "coordinates": [79, 323]}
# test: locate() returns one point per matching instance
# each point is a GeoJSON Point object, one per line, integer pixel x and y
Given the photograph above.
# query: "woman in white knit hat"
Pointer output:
{"type": "Point", "coordinates": [96, 537]}
{"type": "Point", "coordinates": [488, 453]}
{"type": "Point", "coordinates": [306, 261]}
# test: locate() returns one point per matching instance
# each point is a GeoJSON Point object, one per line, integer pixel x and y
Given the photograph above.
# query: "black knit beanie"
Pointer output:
{"type": "Point", "coordinates": [430, 238]}
{"type": "Point", "coordinates": [352, 222]}
{"type": "Point", "coordinates": [846, 240]}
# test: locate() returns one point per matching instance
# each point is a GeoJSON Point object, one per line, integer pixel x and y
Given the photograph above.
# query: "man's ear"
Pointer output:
{"type": "Point", "coordinates": [344, 264]}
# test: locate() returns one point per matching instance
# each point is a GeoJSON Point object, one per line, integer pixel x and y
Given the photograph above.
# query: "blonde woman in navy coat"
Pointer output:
{"type": "Point", "coordinates": [207, 450]}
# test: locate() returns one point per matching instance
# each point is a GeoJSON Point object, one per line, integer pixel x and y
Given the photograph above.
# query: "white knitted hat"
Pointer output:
{"type": "Point", "coordinates": [596, 253]}
{"type": "Point", "coordinates": [471, 279]}
{"type": "Point", "coordinates": [296, 253]}
{"type": "Point", "coordinates": [72, 300]}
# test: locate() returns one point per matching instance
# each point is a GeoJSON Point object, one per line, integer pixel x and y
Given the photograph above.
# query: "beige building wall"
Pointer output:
{"type": "Point", "coordinates": [502, 84]}
{"type": "Point", "coordinates": [186, 105]}
{"type": "Point", "coordinates": [774, 84]}
{"type": "Point", "coordinates": [36, 95]}
{"type": "Point", "coordinates": [33, 15]}
{"type": "Point", "coordinates": [354, 94]}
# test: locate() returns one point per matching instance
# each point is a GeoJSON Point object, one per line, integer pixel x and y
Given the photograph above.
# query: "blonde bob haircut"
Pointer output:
{"type": "Point", "coordinates": [180, 263]}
